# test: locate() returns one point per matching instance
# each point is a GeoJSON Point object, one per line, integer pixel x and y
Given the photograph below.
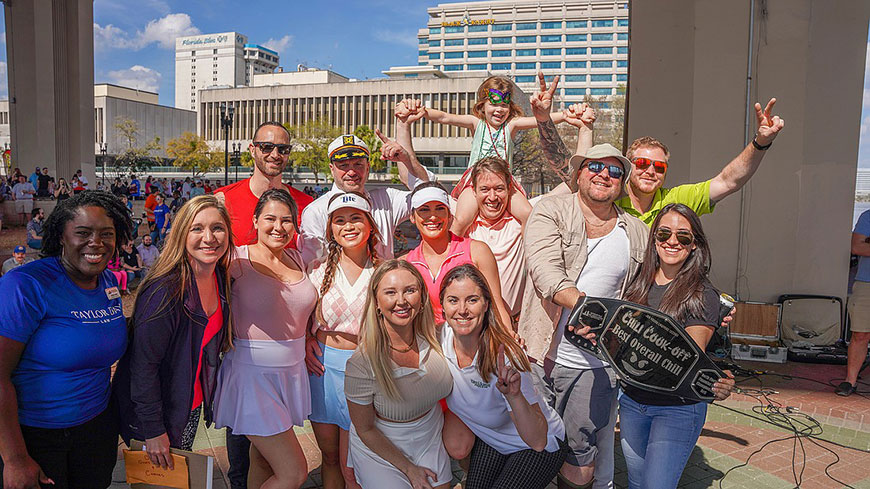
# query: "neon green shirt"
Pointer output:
{"type": "Point", "coordinates": [694, 195]}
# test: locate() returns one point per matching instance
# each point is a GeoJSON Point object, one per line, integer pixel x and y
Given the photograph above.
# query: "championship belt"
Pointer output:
{"type": "Point", "coordinates": [646, 348]}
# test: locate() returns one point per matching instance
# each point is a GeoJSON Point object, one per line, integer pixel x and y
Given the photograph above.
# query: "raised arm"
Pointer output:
{"type": "Point", "coordinates": [555, 151]}
{"type": "Point", "coordinates": [736, 173]}
{"type": "Point", "coordinates": [402, 154]}
{"type": "Point", "coordinates": [468, 121]}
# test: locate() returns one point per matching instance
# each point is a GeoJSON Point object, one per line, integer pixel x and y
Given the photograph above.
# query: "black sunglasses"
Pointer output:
{"type": "Point", "coordinates": [614, 171]}
{"type": "Point", "coordinates": [685, 238]}
{"type": "Point", "coordinates": [283, 149]}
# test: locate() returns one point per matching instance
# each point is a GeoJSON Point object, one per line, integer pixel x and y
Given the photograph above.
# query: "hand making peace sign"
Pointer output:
{"type": "Point", "coordinates": [391, 149]}
{"type": "Point", "coordinates": [542, 101]}
{"type": "Point", "coordinates": [768, 125]}
{"type": "Point", "coordinates": [508, 382]}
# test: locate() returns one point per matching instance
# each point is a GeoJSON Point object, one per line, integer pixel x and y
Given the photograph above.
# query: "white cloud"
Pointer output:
{"type": "Point", "coordinates": [280, 45]}
{"type": "Point", "coordinates": [137, 77]}
{"type": "Point", "coordinates": [162, 31]}
{"type": "Point", "coordinates": [865, 127]}
{"type": "Point", "coordinates": [406, 38]}
{"type": "Point", "coordinates": [4, 81]}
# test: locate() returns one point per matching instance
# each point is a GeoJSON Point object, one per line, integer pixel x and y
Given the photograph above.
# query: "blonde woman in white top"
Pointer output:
{"type": "Point", "coordinates": [393, 383]}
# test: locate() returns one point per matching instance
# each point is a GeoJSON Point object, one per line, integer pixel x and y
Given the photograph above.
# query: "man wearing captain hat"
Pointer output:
{"type": "Point", "coordinates": [349, 164]}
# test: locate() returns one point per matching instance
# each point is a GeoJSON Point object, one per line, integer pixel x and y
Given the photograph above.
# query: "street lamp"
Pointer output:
{"type": "Point", "coordinates": [237, 148]}
{"type": "Point", "coordinates": [226, 124]}
{"type": "Point", "coordinates": [103, 150]}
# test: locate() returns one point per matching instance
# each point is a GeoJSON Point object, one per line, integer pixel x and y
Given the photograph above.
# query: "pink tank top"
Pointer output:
{"type": "Point", "coordinates": [265, 308]}
{"type": "Point", "coordinates": [458, 253]}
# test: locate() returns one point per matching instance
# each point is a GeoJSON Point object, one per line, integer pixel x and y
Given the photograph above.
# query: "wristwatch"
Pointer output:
{"type": "Point", "coordinates": [760, 147]}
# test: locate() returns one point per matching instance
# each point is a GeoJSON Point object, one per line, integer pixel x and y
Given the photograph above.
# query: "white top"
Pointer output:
{"type": "Point", "coordinates": [486, 411]}
{"type": "Point", "coordinates": [505, 239]}
{"type": "Point", "coordinates": [602, 276]}
{"type": "Point", "coordinates": [84, 180]}
{"type": "Point", "coordinates": [390, 207]}
{"type": "Point", "coordinates": [344, 303]}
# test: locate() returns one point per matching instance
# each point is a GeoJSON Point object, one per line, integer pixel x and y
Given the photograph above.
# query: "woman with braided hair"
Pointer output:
{"type": "Point", "coordinates": [342, 280]}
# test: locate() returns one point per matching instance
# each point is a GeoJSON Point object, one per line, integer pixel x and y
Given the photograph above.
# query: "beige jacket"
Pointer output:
{"type": "Point", "coordinates": [555, 246]}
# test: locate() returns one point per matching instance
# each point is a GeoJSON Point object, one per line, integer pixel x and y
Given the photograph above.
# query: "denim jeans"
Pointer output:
{"type": "Point", "coordinates": [657, 441]}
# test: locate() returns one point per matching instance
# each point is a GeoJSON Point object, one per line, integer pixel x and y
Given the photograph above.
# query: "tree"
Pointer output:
{"type": "Point", "coordinates": [374, 143]}
{"type": "Point", "coordinates": [246, 159]}
{"type": "Point", "coordinates": [133, 158]}
{"type": "Point", "coordinates": [310, 142]}
{"type": "Point", "coordinates": [529, 163]}
{"type": "Point", "coordinates": [192, 152]}
{"type": "Point", "coordinates": [610, 125]}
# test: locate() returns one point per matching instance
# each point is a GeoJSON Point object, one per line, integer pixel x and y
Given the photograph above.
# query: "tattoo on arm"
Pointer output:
{"type": "Point", "coordinates": [555, 152]}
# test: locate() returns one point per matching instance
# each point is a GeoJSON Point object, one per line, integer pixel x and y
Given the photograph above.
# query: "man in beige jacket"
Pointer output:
{"type": "Point", "coordinates": [575, 244]}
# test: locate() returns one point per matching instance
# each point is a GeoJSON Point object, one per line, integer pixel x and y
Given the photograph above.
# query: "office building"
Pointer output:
{"type": "Point", "coordinates": [585, 42]}
{"type": "Point", "coordinates": [223, 59]}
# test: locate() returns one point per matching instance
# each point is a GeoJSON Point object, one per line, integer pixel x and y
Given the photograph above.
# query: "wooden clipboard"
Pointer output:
{"type": "Point", "coordinates": [199, 469]}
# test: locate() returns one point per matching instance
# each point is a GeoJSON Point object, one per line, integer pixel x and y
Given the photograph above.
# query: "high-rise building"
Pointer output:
{"type": "Point", "coordinates": [223, 59]}
{"type": "Point", "coordinates": [583, 41]}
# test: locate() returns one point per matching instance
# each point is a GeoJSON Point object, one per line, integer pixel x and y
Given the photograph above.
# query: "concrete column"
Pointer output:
{"type": "Point", "coordinates": [688, 88]}
{"type": "Point", "coordinates": [50, 49]}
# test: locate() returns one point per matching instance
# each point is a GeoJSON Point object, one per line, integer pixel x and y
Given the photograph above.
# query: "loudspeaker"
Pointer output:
{"type": "Point", "coordinates": [811, 320]}
{"type": "Point", "coordinates": [755, 323]}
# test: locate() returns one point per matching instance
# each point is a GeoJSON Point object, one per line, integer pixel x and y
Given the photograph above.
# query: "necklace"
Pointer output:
{"type": "Point", "coordinates": [493, 140]}
{"type": "Point", "coordinates": [406, 350]}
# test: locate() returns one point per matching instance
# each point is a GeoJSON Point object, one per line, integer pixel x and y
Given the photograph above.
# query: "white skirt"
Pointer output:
{"type": "Point", "coordinates": [263, 387]}
{"type": "Point", "coordinates": [419, 440]}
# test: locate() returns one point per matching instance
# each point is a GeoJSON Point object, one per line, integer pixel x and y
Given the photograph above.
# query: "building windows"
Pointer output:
{"type": "Point", "coordinates": [454, 29]}
{"type": "Point", "coordinates": [551, 52]}
{"type": "Point", "coordinates": [453, 55]}
{"type": "Point", "coordinates": [434, 30]}
{"type": "Point", "coordinates": [476, 41]}
{"type": "Point", "coordinates": [602, 37]}
{"type": "Point", "coordinates": [622, 22]}
{"type": "Point", "coordinates": [501, 27]}
{"type": "Point", "coordinates": [501, 53]}
{"type": "Point", "coordinates": [527, 26]}
{"type": "Point", "coordinates": [551, 38]}
{"type": "Point", "coordinates": [525, 66]}
{"type": "Point", "coordinates": [602, 23]}
{"type": "Point", "coordinates": [575, 64]}
{"type": "Point", "coordinates": [622, 36]}
{"type": "Point", "coordinates": [193, 53]}
{"type": "Point", "coordinates": [454, 42]}
{"type": "Point", "coordinates": [475, 67]}
{"type": "Point", "coordinates": [602, 50]}
{"type": "Point", "coordinates": [575, 51]}
{"type": "Point", "coordinates": [575, 91]}
{"type": "Point", "coordinates": [434, 55]}
{"type": "Point", "coordinates": [600, 91]}
{"type": "Point", "coordinates": [422, 63]}
{"type": "Point", "coordinates": [575, 37]}
{"type": "Point", "coordinates": [622, 50]}
{"type": "Point", "coordinates": [551, 65]}
{"type": "Point", "coordinates": [602, 64]}
{"type": "Point", "coordinates": [575, 78]}
{"type": "Point", "coordinates": [452, 67]}
{"type": "Point", "coordinates": [434, 42]}
{"type": "Point", "coordinates": [525, 79]}
{"type": "Point", "coordinates": [576, 24]}
{"type": "Point", "coordinates": [501, 40]}
{"type": "Point", "coordinates": [500, 66]}
{"type": "Point", "coordinates": [622, 64]}
{"type": "Point", "coordinates": [622, 77]}
{"type": "Point", "coordinates": [478, 28]}
{"type": "Point", "coordinates": [423, 53]}
{"type": "Point", "coordinates": [214, 51]}
{"type": "Point", "coordinates": [527, 52]}
{"type": "Point", "coordinates": [526, 39]}
{"type": "Point", "coordinates": [601, 78]}
{"type": "Point", "coordinates": [551, 25]}
{"type": "Point", "coordinates": [423, 40]}
{"type": "Point", "coordinates": [477, 54]}
{"type": "Point", "coordinates": [411, 75]}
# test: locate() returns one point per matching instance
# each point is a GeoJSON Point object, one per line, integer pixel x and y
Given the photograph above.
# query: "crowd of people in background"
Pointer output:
{"type": "Point", "coordinates": [260, 306]}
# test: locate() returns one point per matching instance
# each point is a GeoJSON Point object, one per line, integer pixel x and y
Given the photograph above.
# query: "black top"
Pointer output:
{"type": "Point", "coordinates": [131, 257]}
{"type": "Point", "coordinates": [709, 318]}
{"type": "Point", "coordinates": [42, 182]}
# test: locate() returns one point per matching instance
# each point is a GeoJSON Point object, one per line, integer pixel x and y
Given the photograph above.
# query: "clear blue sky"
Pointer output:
{"type": "Point", "coordinates": [134, 40]}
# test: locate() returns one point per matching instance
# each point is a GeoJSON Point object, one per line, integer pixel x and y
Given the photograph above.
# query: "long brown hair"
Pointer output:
{"type": "Point", "coordinates": [334, 251]}
{"type": "Point", "coordinates": [685, 295]}
{"type": "Point", "coordinates": [374, 337]}
{"type": "Point", "coordinates": [503, 85]}
{"type": "Point", "coordinates": [174, 264]}
{"type": "Point", "coordinates": [492, 333]}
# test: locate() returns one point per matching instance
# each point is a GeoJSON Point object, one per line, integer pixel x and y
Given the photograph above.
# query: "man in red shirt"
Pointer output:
{"type": "Point", "coordinates": [271, 151]}
{"type": "Point", "coordinates": [150, 204]}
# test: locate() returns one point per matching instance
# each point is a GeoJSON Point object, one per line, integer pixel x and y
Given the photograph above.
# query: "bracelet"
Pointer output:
{"type": "Point", "coordinates": [760, 147]}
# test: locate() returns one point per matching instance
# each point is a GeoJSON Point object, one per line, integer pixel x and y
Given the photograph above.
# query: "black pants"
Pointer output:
{"type": "Point", "coordinates": [81, 457]}
{"type": "Point", "coordinates": [238, 447]}
{"type": "Point", "coordinates": [489, 469]}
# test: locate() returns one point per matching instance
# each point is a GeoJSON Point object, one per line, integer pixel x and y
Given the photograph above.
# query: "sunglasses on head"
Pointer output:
{"type": "Point", "coordinates": [644, 163]}
{"type": "Point", "coordinates": [615, 171]}
{"type": "Point", "coordinates": [685, 238]}
{"type": "Point", "coordinates": [283, 149]}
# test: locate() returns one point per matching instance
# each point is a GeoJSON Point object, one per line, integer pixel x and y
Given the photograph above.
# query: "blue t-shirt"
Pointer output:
{"type": "Point", "coordinates": [72, 337]}
{"type": "Point", "coordinates": [160, 213]}
{"type": "Point", "coordinates": [863, 227]}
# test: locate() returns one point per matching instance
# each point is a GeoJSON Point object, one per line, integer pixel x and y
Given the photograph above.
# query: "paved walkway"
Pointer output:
{"type": "Point", "coordinates": [727, 441]}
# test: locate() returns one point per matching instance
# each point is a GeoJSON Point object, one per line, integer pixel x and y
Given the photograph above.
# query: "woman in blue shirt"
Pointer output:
{"type": "Point", "coordinates": [61, 328]}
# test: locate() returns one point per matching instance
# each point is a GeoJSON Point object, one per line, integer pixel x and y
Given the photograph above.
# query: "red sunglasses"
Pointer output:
{"type": "Point", "coordinates": [643, 163]}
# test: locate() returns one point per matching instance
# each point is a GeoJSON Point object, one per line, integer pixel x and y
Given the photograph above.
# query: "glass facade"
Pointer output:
{"type": "Point", "coordinates": [607, 50]}
{"type": "Point", "coordinates": [502, 27]}
{"type": "Point", "coordinates": [575, 78]}
{"type": "Point", "coordinates": [454, 29]}
{"type": "Point", "coordinates": [601, 78]}
{"type": "Point", "coordinates": [500, 53]}
{"type": "Point", "coordinates": [501, 40]}
{"type": "Point", "coordinates": [551, 65]}
{"type": "Point", "coordinates": [527, 26]}
{"type": "Point", "coordinates": [477, 54]}
{"type": "Point", "coordinates": [478, 28]}
{"type": "Point", "coordinates": [526, 66]}
{"type": "Point", "coordinates": [551, 38]}
{"type": "Point", "coordinates": [500, 66]}
{"type": "Point", "coordinates": [602, 23]}
{"type": "Point", "coordinates": [527, 52]}
{"type": "Point", "coordinates": [576, 24]}
{"type": "Point", "coordinates": [575, 37]}
{"type": "Point", "coordinates": [575, 64]}
{"type": "Point", "coordinates": [526, 39]}
{"type": "Point", "coordinates": [475, 67]}
{"type": "Point", "coordinates": [602, 37]}
{"type": "Point", "coordinates": [551, 25]}
{"type": "Point", "coordinates": [454, 42]}
{"type": "Point", "coordinates": [551, 52]}
{"type": "Point", "coordinates": [575, 91]}
{"type": "Point", "coordinates": [453, 55]}
{"type": "Point", "coordinates": [524, 78]}
{"type": "Point", "coordinates": [575, 51]}
{"type": "Point", "coordinates": [434, 30]}
{"type": "Point", "coordinates": [600, 91]}
{"type": "Point", "coordinates": [476, 41]}
{"type": "Point", "coordinates": [601, 64]}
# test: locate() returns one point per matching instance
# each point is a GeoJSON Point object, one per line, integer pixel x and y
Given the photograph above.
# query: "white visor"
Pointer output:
{"type": "Point", "coordinates": [349, 200]}
{"type": "Point", "coordinates": [429, 194]}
